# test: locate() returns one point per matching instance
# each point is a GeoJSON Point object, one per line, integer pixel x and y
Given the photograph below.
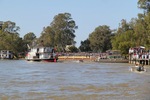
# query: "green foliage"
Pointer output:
{"type": "Point", "coordinates": [64, 28]}
{"type": "Point", "coordinates": [137, 33]}
{"type": "Point", "coordinates": [60, 32]}
{"type": "Point", "coordinates": [73, 49]}
{"type": "Point", "coordinates": [144, 4]}
{"type": "Point", "coordinates": [48, 37]}
{"type": "Point", "coordinates": [100, 39]}
{"type": "Point", "coordinates": [123, 41]}
{"type": "Point", "coordinates": [29, 37]}
{"type": "Point", "coordinates": [85, 46]}
{"type": "Point", "coordinates": [10, 39]}
{"type": "Point", "coordinates": [124, 38]}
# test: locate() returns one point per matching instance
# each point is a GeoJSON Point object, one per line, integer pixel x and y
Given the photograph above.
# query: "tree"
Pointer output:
{"type": "Point", "coordinates": [47, 36]}
{"type": "Point", "coordinates": [100, 39]}
{"type": "Point", "coordinates": [10, 27]}
{"type": "Point", "coordinates": [29, 38]}
{"type": "Point", "coordinates": [63, 27]}
{"type": "Point", "coordinates": [73, 49]}
{"type": "Point", "coordinates": [123, 41]}
{"type": "Point", "coordinates": [10, 39]}
{"type": "Point", "coordinates": [145, 5]}
{"type": "Point", "coordinates": [146, 31]}
{"type": "Point", "coordinates": [85, 46]}
{"type": "Point", "coordinates": [124, 37]}
{"type": "Point", "coordinates": [123, 27]}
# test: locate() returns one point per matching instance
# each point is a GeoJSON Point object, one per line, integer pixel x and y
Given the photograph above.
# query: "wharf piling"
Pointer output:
{"type": "Point", "coordinates": [140, 61]}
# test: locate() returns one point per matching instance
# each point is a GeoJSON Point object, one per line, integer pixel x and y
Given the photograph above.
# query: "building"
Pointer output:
{"type": "Point", "coordinates": [140, 55]}
{"type": "Point", "coordinates": [111, 55]}
{"type": "Point", "coordinates": [114, 54]}
{"type": "Point", "coordinates": [6, 54]}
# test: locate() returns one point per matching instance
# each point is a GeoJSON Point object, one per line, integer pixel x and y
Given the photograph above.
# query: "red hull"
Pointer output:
{"type": "Point", "coordinates": [44, 60]}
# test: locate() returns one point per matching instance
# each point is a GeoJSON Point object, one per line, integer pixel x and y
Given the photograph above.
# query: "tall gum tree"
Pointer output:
{"type": "Point", "coordinates": [100, 39]}
{"type": "Point", "coordinates": [64, 28]}
{"type": "Point", "coordinates": [47, 36]}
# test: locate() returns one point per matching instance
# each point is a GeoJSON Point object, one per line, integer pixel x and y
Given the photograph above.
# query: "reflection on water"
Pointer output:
{"type": "Point", "coordinates": [22, 80]}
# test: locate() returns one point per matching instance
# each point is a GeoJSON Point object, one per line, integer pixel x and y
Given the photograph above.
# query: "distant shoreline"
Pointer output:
{"type": "Point", "coordinates": [86, 59]}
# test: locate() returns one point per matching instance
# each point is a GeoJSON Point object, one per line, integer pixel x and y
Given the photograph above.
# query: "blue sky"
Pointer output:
{"type": "Point", "coordinates": [33, 15]}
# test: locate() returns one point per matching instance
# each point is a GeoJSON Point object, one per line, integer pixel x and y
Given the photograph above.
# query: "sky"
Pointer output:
{"type": "Point", "coordinates": [33, 15]}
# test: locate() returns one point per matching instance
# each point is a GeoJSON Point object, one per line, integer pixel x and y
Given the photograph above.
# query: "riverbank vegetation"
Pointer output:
{"type": "Point", "coordinates": [61, 32]}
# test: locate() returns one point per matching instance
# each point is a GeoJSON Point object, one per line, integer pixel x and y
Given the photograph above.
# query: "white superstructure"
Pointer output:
{"type": "Point", "coordinates": [41, 53]}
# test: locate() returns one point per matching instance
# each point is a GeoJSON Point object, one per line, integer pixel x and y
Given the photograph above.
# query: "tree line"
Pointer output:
{"type": "Point", "coordinates": [61, 32]}
{"type": "Point", "coordinates": [134, 33]}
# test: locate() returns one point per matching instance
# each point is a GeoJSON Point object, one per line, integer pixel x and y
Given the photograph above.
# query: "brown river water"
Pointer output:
{"type": "Point", "coordinates": [70, 80]}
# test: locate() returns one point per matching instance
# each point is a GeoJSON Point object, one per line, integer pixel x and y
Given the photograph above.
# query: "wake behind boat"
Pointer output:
{"type": "Point", "coordinates": [42, 54]}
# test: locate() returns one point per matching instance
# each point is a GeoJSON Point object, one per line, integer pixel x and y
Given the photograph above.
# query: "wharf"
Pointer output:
{"type": "Point", "coordinates": [139, 55]}
{"type": "Point", "coordinates": [141, 61]}
{"type": "Point", "coordinates": [92, 58]}
{"type": "Point", "coordinates": [76, 58]}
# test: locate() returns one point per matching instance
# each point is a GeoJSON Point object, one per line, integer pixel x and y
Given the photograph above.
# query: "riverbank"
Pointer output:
{"type": "Point", "coordinates": [91, 59]}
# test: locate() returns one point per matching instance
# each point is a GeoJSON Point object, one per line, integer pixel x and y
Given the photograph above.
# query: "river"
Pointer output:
{"type": "Point", "coordinates": [69, 80]}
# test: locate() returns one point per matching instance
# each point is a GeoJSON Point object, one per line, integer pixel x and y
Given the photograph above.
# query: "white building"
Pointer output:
{"type": "Point", "coordinates": [6, 54]}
